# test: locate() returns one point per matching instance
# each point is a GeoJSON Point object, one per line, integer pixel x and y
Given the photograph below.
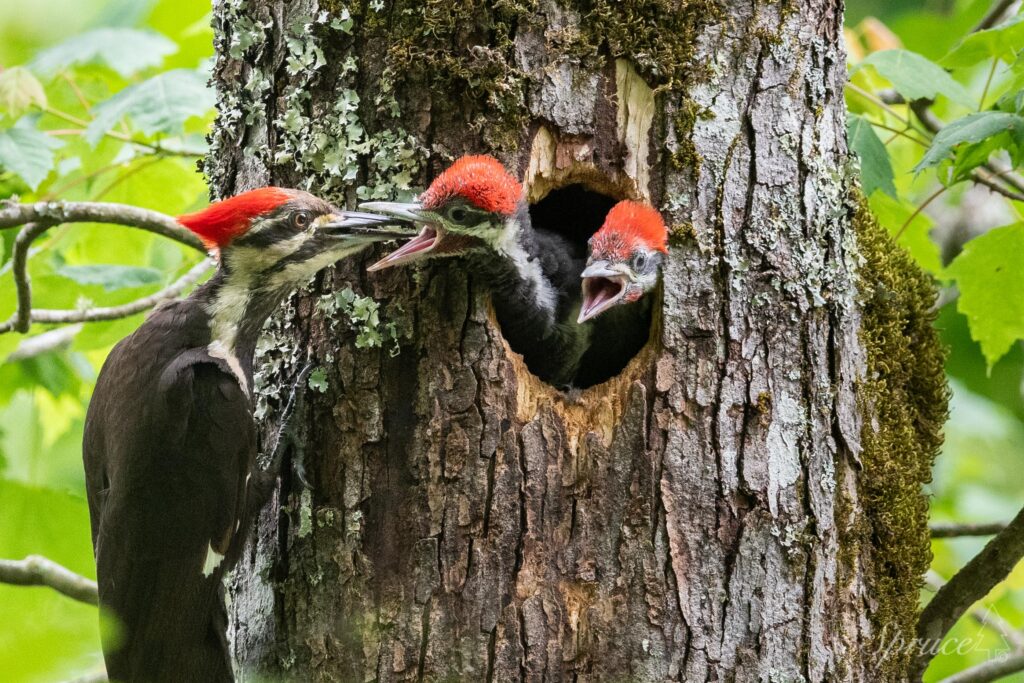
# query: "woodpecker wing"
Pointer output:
{"type": "Point", "coordinates": [167, 517]}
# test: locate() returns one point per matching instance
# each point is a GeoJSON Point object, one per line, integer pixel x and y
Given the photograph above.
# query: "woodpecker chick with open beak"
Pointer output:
{"type": "Point", "coordinates": [170, 441]}
{"type": "Point", "coordinates": [475, 208]}
{"type": "Point", "coordinates": [472, 206]}
{"type": "Point", "coordinates": [625, 258]}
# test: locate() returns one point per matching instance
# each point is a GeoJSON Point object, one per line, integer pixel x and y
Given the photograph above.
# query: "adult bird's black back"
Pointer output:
{"type": "Point", "coordinates": [170, 442]}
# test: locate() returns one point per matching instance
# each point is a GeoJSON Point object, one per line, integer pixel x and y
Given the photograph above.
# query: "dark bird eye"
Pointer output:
{"type": "Point", "coordinates": [301, 220]}
{"type": "Point", "coordinates": [458, 215]}
{"type": "Point", "coordinates": [640, 261]}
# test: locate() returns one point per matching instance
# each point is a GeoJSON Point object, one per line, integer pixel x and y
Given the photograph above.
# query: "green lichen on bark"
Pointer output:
{"type": "Point", "coordinates": [904, 399]}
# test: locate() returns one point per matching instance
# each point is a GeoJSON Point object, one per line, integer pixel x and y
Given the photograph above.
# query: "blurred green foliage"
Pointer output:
{"type": "Point", "coordinates": [921, 186]}
{"type": "Point", "coordinates": [83, 116]}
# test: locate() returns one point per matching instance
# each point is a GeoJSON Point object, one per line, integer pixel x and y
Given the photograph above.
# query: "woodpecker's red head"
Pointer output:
{"type": "Point", "coordinates": [471, 205]}
{"type": "Point", "coordinates": [625, 255]}
{"type": "Point", "coordinates": [290, 233]}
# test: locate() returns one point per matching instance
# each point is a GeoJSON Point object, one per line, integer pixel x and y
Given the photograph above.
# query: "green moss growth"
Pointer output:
{"type": "Point", "coordinates": [460, 51]}
{"type": "Point", "coordinates": [686, 155]}
{"type": "Point", "coordinates": [682, 233]}
{"type": "Point", "coordinates": [904, 401]}
{"type": "Point", "coordinates": [658, 36]}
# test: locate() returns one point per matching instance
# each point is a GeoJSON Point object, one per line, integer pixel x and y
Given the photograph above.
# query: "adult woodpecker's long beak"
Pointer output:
{"type": "Point", "coordinates": [604, 283]}
{"type": "Point", "coordinates": [416, 248]}
{"type": "Point", "coordinates": [353, 224]}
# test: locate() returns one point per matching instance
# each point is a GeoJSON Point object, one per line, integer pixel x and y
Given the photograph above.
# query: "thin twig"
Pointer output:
{"type": "Point", "coordinates": [156, 149]}
{"type": "Point", "coordinates": [994, 15]}
{"type": "Point", "coordinates": [958, 530]}
{"type": "Point", "coordinates": [91, 315]}
{"type": "Point", "coordinates": [986, 569]}
{"type": "Point", "coordinates": [988, 84]}
{"type": "Point", "coordinates": [48, 341]}
{"type": "Point", "coordinates": [918, 210]}
{"type": "Point", "coordinates": [992, 670]}
{"type": "Point", "coordinates": [36, 570]}
{"type": "Point", "coordinates": [19, 264]}
{"type": "Point", "coordinates": [898, 132]}
{"type": "Point", "coordinates": [982, 178]}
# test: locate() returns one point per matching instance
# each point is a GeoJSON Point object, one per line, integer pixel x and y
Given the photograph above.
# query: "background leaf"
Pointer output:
{"type": "Point", "coordinates": [111, 277]}
{"type": "Point", "coordinates": [990, 275]}
{"type": "Point", "coordinates": [875, 167]}
{"type": "Point", "coordinates": [971, 128]}
{"type": "Point", "coordinates": [916, 77]}
{"type": "Point", "coordinates": [27, 152]}
{"type": "Point", "coordinates": [161, 104]}
{"type": "Point", "coordinates": [1002, 42]}
{"type": "Point", "coordinates": [20, 89]}
{"type": "Point", "coordinates": [125, 50]}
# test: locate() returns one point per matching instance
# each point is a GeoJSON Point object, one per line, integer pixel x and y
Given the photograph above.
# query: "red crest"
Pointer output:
{"type": "Point", "coordinates": [627, 226]}
{"type": "Point", "coordinates": [221, 222]}
{"type": "Point", "coordinates": [480, 180]}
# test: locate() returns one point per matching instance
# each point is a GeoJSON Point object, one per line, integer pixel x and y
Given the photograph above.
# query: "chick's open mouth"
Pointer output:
{"type": "Point", "coordinates": [419, 246]}
{"type": "Point", "coordinates": [599, 294]}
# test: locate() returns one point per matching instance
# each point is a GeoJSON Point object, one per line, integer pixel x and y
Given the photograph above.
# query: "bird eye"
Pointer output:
{"type": "Point", "coordinates": [301, 220]}
{"type": "Point", "coordinates": [457, 214]}
{"type": "Point", "coordinates": [640, 262]}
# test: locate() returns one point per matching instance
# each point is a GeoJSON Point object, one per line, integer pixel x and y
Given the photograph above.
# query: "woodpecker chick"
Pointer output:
{"type": "Point", "coordinates": [476, 208]}
{"type": "Point", "coordinates": [170, 441]}
{"type": "Point", "coordinates": [625, 257]}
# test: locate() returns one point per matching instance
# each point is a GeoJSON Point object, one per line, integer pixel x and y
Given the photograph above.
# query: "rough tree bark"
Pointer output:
{"type": "Point", "coordinates": [741, 503]}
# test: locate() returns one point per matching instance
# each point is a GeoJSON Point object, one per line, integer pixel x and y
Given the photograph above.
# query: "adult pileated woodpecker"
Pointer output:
{"type": "Point", "coordinates": [476, 208]}
{"type": "Point", "coordinates": [623, 266]}
{"type": "Point", "coordinates": [170, 441]}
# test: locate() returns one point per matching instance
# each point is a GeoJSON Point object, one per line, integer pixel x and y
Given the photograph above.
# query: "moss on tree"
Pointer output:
{"type": "Point", "coordinates": [904, 400]}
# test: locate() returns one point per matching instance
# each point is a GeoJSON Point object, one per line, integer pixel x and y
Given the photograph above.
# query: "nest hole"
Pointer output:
{"type": "Point", "coordinates": [576, 211]}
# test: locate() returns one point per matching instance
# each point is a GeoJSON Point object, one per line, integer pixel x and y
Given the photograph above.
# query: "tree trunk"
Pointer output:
{"type": "Point", "coordinates": [741, 503]}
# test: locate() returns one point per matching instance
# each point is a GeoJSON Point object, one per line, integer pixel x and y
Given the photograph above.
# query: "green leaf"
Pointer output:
{"type": "Point", "coordinates": [1002, 42]}
{"type": "Point", "coordinates": [989, 273]}
{"type": "Point", "coordinates": [49, 636]}
{"type": "Point", "coordinates": [26, 152]}
{"type": "Point", "coordinates": [125, 50]}
{"type": "Point", "coordinates": [111, 277]}
{"type": "Point", "coordinates": [971, 128]}
{"type": "Point", "coordinates": [19, 90]}
{"type": "Point", "coordinates": [875, 167]}
{"type": "Point", "coordinates": [161, 104]}
{"type": "Point", "coordinates": [916, 77]}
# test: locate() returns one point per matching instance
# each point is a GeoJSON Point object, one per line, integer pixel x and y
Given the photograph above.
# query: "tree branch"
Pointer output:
{"type": "Point", "coordinates": [90, 315]}
{"type": "Point", "coordinates": [36, 570]}
{"type": "Point", "coordinates": [13, 214]}
{"type": "Point", "coordinates": [993, 564]}
{"type": "Point", "coordinates": [986, 617]}
{"type": "Point", "coordinates": [956, 530]}
{"type": "Point", "coordinates": [46, 342]}
{"type": "Point", "coordinates": [994, 15]}
{"type": "Point", "coordinates": [992, 670]}
{"type": "Point", "coordinates": [39, 217]}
